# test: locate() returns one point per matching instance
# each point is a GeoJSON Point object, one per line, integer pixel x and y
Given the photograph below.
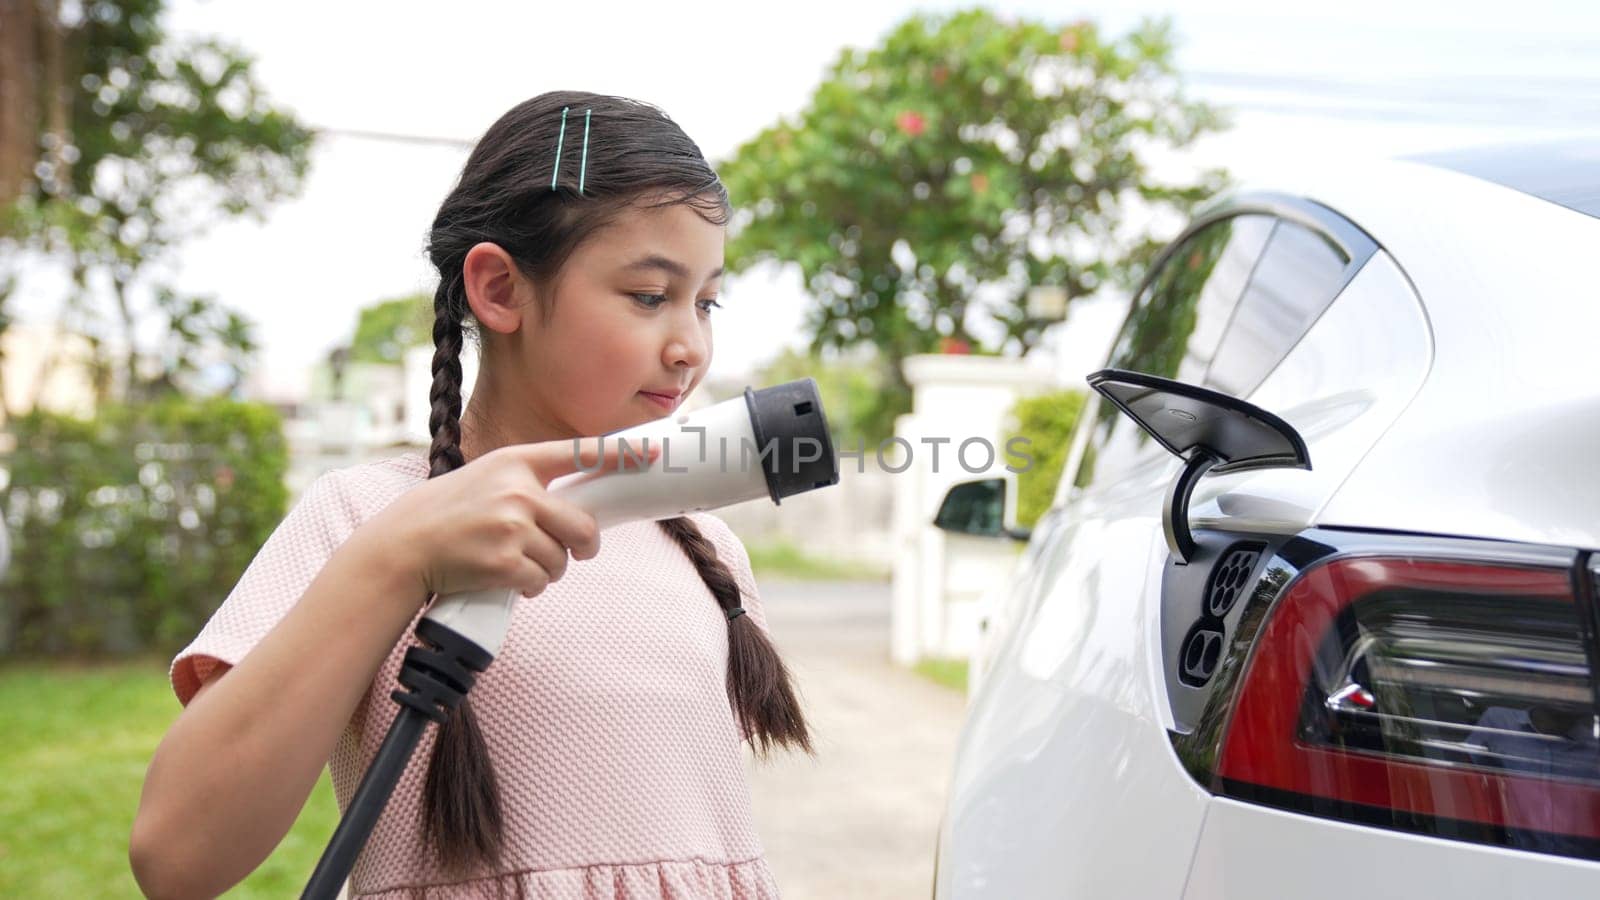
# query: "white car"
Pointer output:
{"type": "Point", "coordinates": [1358, 656]}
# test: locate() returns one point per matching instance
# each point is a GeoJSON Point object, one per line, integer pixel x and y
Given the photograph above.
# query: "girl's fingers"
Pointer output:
{"type": "Point", "coordinates": [552, 459]}
{"type": "Point", "coordinates": [547, 553]}
{"type": "Point", "coordinates": [532, 578]}
{"type": "Point", "coordinates": [570, 525]}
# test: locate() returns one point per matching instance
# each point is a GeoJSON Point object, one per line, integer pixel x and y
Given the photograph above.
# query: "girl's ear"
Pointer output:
{"type": "Point", "coordinates": [496, 289]}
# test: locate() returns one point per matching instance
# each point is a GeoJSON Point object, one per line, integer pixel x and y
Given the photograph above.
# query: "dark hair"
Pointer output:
{"type": "Point", "coordinates": [637, 158]}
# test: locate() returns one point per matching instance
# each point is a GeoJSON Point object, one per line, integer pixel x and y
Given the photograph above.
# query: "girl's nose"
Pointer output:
{"type": "Point", "coordinates": [689, 344]}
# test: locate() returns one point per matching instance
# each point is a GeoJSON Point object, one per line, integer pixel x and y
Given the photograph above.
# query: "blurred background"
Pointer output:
{"type": "Point", "coordinates": [213, 288]}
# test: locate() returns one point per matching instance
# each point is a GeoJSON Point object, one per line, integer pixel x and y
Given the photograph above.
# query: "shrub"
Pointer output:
{"type": "Point", "coordinates": [1046, 420]}
{"type": "Point", "coordinates": [128, 529]}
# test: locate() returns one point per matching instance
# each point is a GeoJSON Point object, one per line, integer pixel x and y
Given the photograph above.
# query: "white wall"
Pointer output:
{"type": "Point", "coordinates": [939, 580]}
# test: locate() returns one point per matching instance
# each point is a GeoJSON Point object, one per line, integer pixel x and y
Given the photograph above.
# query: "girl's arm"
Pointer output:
{"type": "Point", "coordinates": [236, 768]}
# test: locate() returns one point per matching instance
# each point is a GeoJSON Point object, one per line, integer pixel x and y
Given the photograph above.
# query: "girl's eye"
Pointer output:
{"type": "Point", "coordinates": [651, 301]}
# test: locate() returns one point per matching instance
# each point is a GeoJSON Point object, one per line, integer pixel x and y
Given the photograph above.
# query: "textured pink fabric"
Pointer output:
{"type": "Point", "coordinates": [606, 713]}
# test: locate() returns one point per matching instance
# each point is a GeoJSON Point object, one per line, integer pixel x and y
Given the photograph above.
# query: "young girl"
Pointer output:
{"type": "Point", "coordinates": [599, 755]}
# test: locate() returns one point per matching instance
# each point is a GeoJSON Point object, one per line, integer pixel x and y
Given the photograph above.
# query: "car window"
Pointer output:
{"type": "Point", "coordinates": [1297, 276]}
{"type": "Point", "coordinates": [1174, 329]}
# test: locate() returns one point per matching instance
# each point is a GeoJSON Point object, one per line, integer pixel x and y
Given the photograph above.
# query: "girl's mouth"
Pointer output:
{"type": "Point", "coordinates": [666, 403]}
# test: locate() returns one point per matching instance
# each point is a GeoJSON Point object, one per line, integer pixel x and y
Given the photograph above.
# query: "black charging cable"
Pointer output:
{"type": "Point", "coordinates": [436, 677]}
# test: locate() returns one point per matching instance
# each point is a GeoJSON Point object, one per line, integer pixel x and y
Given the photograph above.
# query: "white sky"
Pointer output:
{"type": "Point", "coordinates": [1308, 84]}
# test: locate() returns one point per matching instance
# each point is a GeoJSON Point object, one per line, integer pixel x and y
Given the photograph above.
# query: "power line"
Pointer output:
{"type": "Point", "coordinates": [396, 137]}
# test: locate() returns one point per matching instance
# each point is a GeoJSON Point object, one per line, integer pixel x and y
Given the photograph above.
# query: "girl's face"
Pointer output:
{"type": "Point", "coordinates": [628, 327]}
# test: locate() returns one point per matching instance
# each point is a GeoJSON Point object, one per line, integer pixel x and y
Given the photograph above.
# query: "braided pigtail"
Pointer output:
{"type": "Point", "coordinates": [759, 688]}
{"type": "Point", "coordinates": [444, 397]}
{"type": "Point", "coordinates": [461, 800]}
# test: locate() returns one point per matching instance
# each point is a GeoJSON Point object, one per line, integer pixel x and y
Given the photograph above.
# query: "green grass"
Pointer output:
{"type": "Point", "coordinates": [950, 673]}
{"type": "Point", "coordinates": [781, 559]}
{"type": "Point", "coordinates": [77, 741]}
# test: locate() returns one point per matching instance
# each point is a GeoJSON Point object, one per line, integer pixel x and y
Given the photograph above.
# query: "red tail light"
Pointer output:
{"type": "Point", "coordinates": [1448, 697]}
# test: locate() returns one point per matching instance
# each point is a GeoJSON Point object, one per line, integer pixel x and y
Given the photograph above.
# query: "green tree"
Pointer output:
{"type": "Point", "coordinates": [387, 328]}
{"type": "Point", "coordinates": [137, 143]}
{"type": "Point", "coordinates": [853, 396]}
{"type": "Point", "coordinates": [931, 181]}
{"type": "Point", "coordinates": [1046, 420]}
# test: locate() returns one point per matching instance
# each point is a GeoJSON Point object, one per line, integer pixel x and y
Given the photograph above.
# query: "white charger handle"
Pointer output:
{"type": "Point", "coordinates": [708, 460]}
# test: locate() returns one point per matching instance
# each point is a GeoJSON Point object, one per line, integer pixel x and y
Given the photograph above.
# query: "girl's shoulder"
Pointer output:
{"type": "Point", "coordinates": [710, 524]}
{"type": "Point", "coordinates": [730, 549]}
{"type": "Point", "coordinates": [404, 468]}
{"type": "Point", "coordinates": [353, 492]}
{"type": "Point", "coordinates": [717, 531]}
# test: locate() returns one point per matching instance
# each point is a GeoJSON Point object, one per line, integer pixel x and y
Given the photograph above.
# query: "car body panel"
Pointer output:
{"type": "Point", "coordinates": [1011, 814]}
{"type": "Point", "coordinates": [1249, 852]}
{"type": "Point", "coordinates": [1065, 781]}
{"type": "Point", "coordinates": [1341, 388]}
{"type": "Point", "coordinates": [1511, 409]}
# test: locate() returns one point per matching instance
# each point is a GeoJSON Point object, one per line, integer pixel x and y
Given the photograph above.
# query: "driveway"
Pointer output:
{"type": "Point", "coordinates": [859, 820]}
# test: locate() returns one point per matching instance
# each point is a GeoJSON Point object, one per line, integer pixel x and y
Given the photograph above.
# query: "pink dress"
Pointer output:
{"type": "Point", "coordinates": [620, 765]}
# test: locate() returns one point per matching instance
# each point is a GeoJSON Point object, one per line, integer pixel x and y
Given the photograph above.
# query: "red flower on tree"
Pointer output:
{"type": "Point", "coordinates": [912, 123]}
{"type": "Point", "coordinates": [1072, 36]}
{"type": "Point", "coordinates": [954, 345]}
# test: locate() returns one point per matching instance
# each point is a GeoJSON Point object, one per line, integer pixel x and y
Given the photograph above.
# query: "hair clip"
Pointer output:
{"type": "Point", "coordinates": [735, 613]}
{"type": "Point", "coordinates": [556, 170]}
{"type": "Point", "coordinates": [583, 164]}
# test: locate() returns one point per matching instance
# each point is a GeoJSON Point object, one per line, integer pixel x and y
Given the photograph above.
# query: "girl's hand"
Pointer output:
{"type": "Point", "coordinates": [491, 523]}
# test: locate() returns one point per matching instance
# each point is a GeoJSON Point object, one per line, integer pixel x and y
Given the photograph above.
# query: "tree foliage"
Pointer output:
{"type": "Point", "coordinates": [139, 142]}
{"type": "Point", "coordinates": [1047, 421]}
{"type": "Point", "coordinates": [853, 397]}
{"type": "Point", "coordinates": [386, 329]}
{"type": "Point", "coordinates": [129, 528]}
{"type": "Point", "coordinates": [932, 180]}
